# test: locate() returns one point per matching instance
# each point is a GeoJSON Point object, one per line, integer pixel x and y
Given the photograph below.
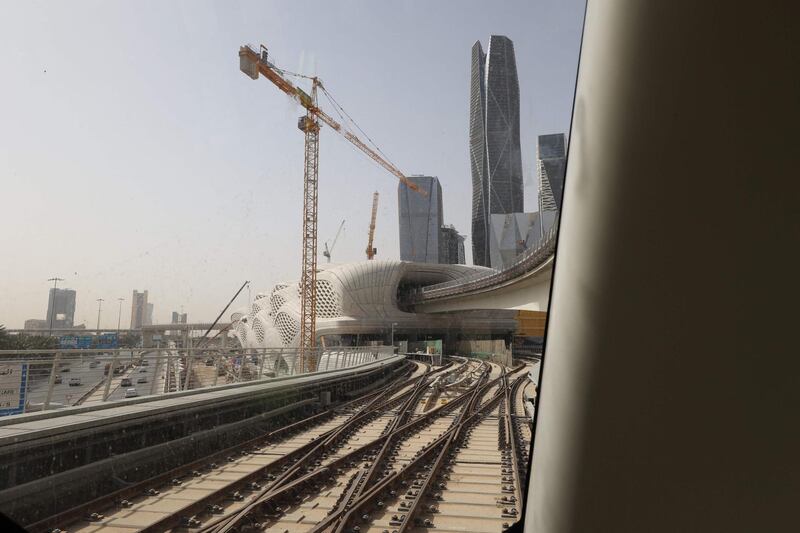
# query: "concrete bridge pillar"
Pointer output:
{"type": "Point", "coordinates": [147, 338]}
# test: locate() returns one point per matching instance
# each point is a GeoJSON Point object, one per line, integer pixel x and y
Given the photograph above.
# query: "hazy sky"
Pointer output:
{"type": "Point", "coordinates": [135, 155]}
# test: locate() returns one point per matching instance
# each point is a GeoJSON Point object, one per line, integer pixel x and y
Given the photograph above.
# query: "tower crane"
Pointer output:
{"type": "Point", "coordinates": [253, 63]}
{"type": "Point", "coordinates": [327, 252]}
{"type": "Point", "coordinates": [370, 250]}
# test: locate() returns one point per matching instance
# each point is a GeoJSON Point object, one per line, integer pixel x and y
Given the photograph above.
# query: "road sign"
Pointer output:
{"type": "Point", "coordinates": [85, 341]}
{"type": "Point", "coordinates": [68, 341]}
{"type": "Point", "coordinates": [13, 385]}
{"type": "Point", "coordinates": [107, 341]}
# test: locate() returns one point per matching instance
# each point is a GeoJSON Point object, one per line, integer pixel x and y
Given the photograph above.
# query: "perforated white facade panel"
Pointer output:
{"type": "Point", "coordinates": [351, 298]}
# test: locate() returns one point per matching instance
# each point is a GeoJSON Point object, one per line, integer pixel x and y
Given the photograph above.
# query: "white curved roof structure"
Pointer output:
{"type": "Point", "coordinates": [360, 298]}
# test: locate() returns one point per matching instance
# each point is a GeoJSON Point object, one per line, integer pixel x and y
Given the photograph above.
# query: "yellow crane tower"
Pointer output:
{"type": "Point", "coordinates": [370, 250]}
{"type": "Point", "coordinates": [254, 63]}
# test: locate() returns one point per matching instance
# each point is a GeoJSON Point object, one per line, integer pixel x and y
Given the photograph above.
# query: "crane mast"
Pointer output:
{"type": "Point", "coordinates": [370, 250]}
{"type": "Point", "coordinates": [253, 64]}
{"type": "Point", "coordinates": [309, 125]}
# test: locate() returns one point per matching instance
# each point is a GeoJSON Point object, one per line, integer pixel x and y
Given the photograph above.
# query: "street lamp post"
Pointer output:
{"type": "Point", "coordinates": [99, 308]}
{"type": "Point", "coordinates": [55, 280]}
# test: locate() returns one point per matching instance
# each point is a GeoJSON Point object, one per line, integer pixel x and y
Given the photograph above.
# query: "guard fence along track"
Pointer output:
{"type": "Point", "coordinates": [431, 450]}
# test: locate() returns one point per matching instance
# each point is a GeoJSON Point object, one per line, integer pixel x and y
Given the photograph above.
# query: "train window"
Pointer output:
{"type": "Point", "coordinates": [318, 274]}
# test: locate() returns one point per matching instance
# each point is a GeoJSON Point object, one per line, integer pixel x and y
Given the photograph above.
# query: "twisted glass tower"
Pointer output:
{"type": "Point", "coordinates": [495, 156]}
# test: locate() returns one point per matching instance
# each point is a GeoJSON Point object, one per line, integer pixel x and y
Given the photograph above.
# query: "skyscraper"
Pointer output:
{"type": "Point", "coordinates": [494, 145]}
{"type": "Point", "coordinates": [451, 246]}
{"type": "Point", "coordinates": [420, 220]}
{"type": "Point", "coordinates": [551, 163]}
{"type": "Point", "coordinates": [551, 146]}
{"type": "Point", "coordinates": [61, 308]}
{"type": "Point", "coordinates": [139, 309]}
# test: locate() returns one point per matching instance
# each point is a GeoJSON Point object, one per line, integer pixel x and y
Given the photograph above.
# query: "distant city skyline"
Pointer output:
{"type": "Point", "coordinates": [135, 164]}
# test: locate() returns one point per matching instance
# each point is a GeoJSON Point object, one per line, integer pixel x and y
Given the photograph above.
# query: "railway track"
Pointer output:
{"type": "Point", "coordinates": [443, 449]}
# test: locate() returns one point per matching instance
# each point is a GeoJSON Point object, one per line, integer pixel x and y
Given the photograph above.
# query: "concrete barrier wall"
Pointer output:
{"type": "Point", "coordinates": [491, 350]}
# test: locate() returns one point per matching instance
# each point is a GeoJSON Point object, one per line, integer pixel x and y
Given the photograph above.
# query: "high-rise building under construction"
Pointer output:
{"type": "Point", "coordinates": [141, 310]}
{"type": "Point", "coordinates": [494, 145]}
{"type": "Point", "coordinates": [60, 308]}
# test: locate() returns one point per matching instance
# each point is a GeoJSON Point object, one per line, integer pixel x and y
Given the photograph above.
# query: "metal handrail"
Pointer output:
{"type": "Point", "coordinates": [46, 376]}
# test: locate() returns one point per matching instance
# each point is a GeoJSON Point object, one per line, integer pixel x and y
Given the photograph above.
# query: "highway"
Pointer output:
{"type": "Point", "coordinates": [64, 393]}
{"type": "Point", "coordinates": [117, 391]}
{"type": "Point", "coordinates": [92, 381]}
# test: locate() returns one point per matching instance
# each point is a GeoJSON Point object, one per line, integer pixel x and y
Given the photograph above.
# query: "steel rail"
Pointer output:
{"type": "Point", "coordinates": [514, 447]}
{"type": "Point", "coordinates": [275, 490]}
{"type": "Point", "coordinates": [456, 438]}
{"type": "Point", "coordinates": [151, 484]}
{"type": "Point", "coordinates": [404, 414]}
{"type": "Point", "coordinates": [348, 460]}
{"type": "Point", "coordinates": [509, 446]}
{"type": "Point", "coordinates": [336, 520]}
{"type": "Point", "coordinates": [421, 465]}
{"type": "Point", "coordinates": [291, 465]}
{"type": "Point", "coordinates": [121, 497]}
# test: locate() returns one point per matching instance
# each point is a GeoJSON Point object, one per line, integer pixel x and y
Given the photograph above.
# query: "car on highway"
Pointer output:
{"type": "Point", "coordinates": [131, 393]}
{"type": "Point", "coordinates": [145, 362]}
{"type": "Point", "coordinates": [142, 370]}
{"type": "Point", "coordinates": [65, 369]}
{"type": "Point", "coordinates": [93, 364]}
{"type": "Point", "coordinates": [59, 380]}
{"type": "Point", "coordinates": [126, 382]}
{"type": "Point", "coordinates": [74, 382]}
{"type": "Point", "coordinates": [142, 379]}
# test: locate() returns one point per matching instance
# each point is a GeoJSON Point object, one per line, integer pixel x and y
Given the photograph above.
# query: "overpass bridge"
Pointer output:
{"type": "Point", "coordinates": [71, 331]}
{"type": "Point", "coordinates": [152, 334]}
{"type": "Point", "coordinates": [525, 285]}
